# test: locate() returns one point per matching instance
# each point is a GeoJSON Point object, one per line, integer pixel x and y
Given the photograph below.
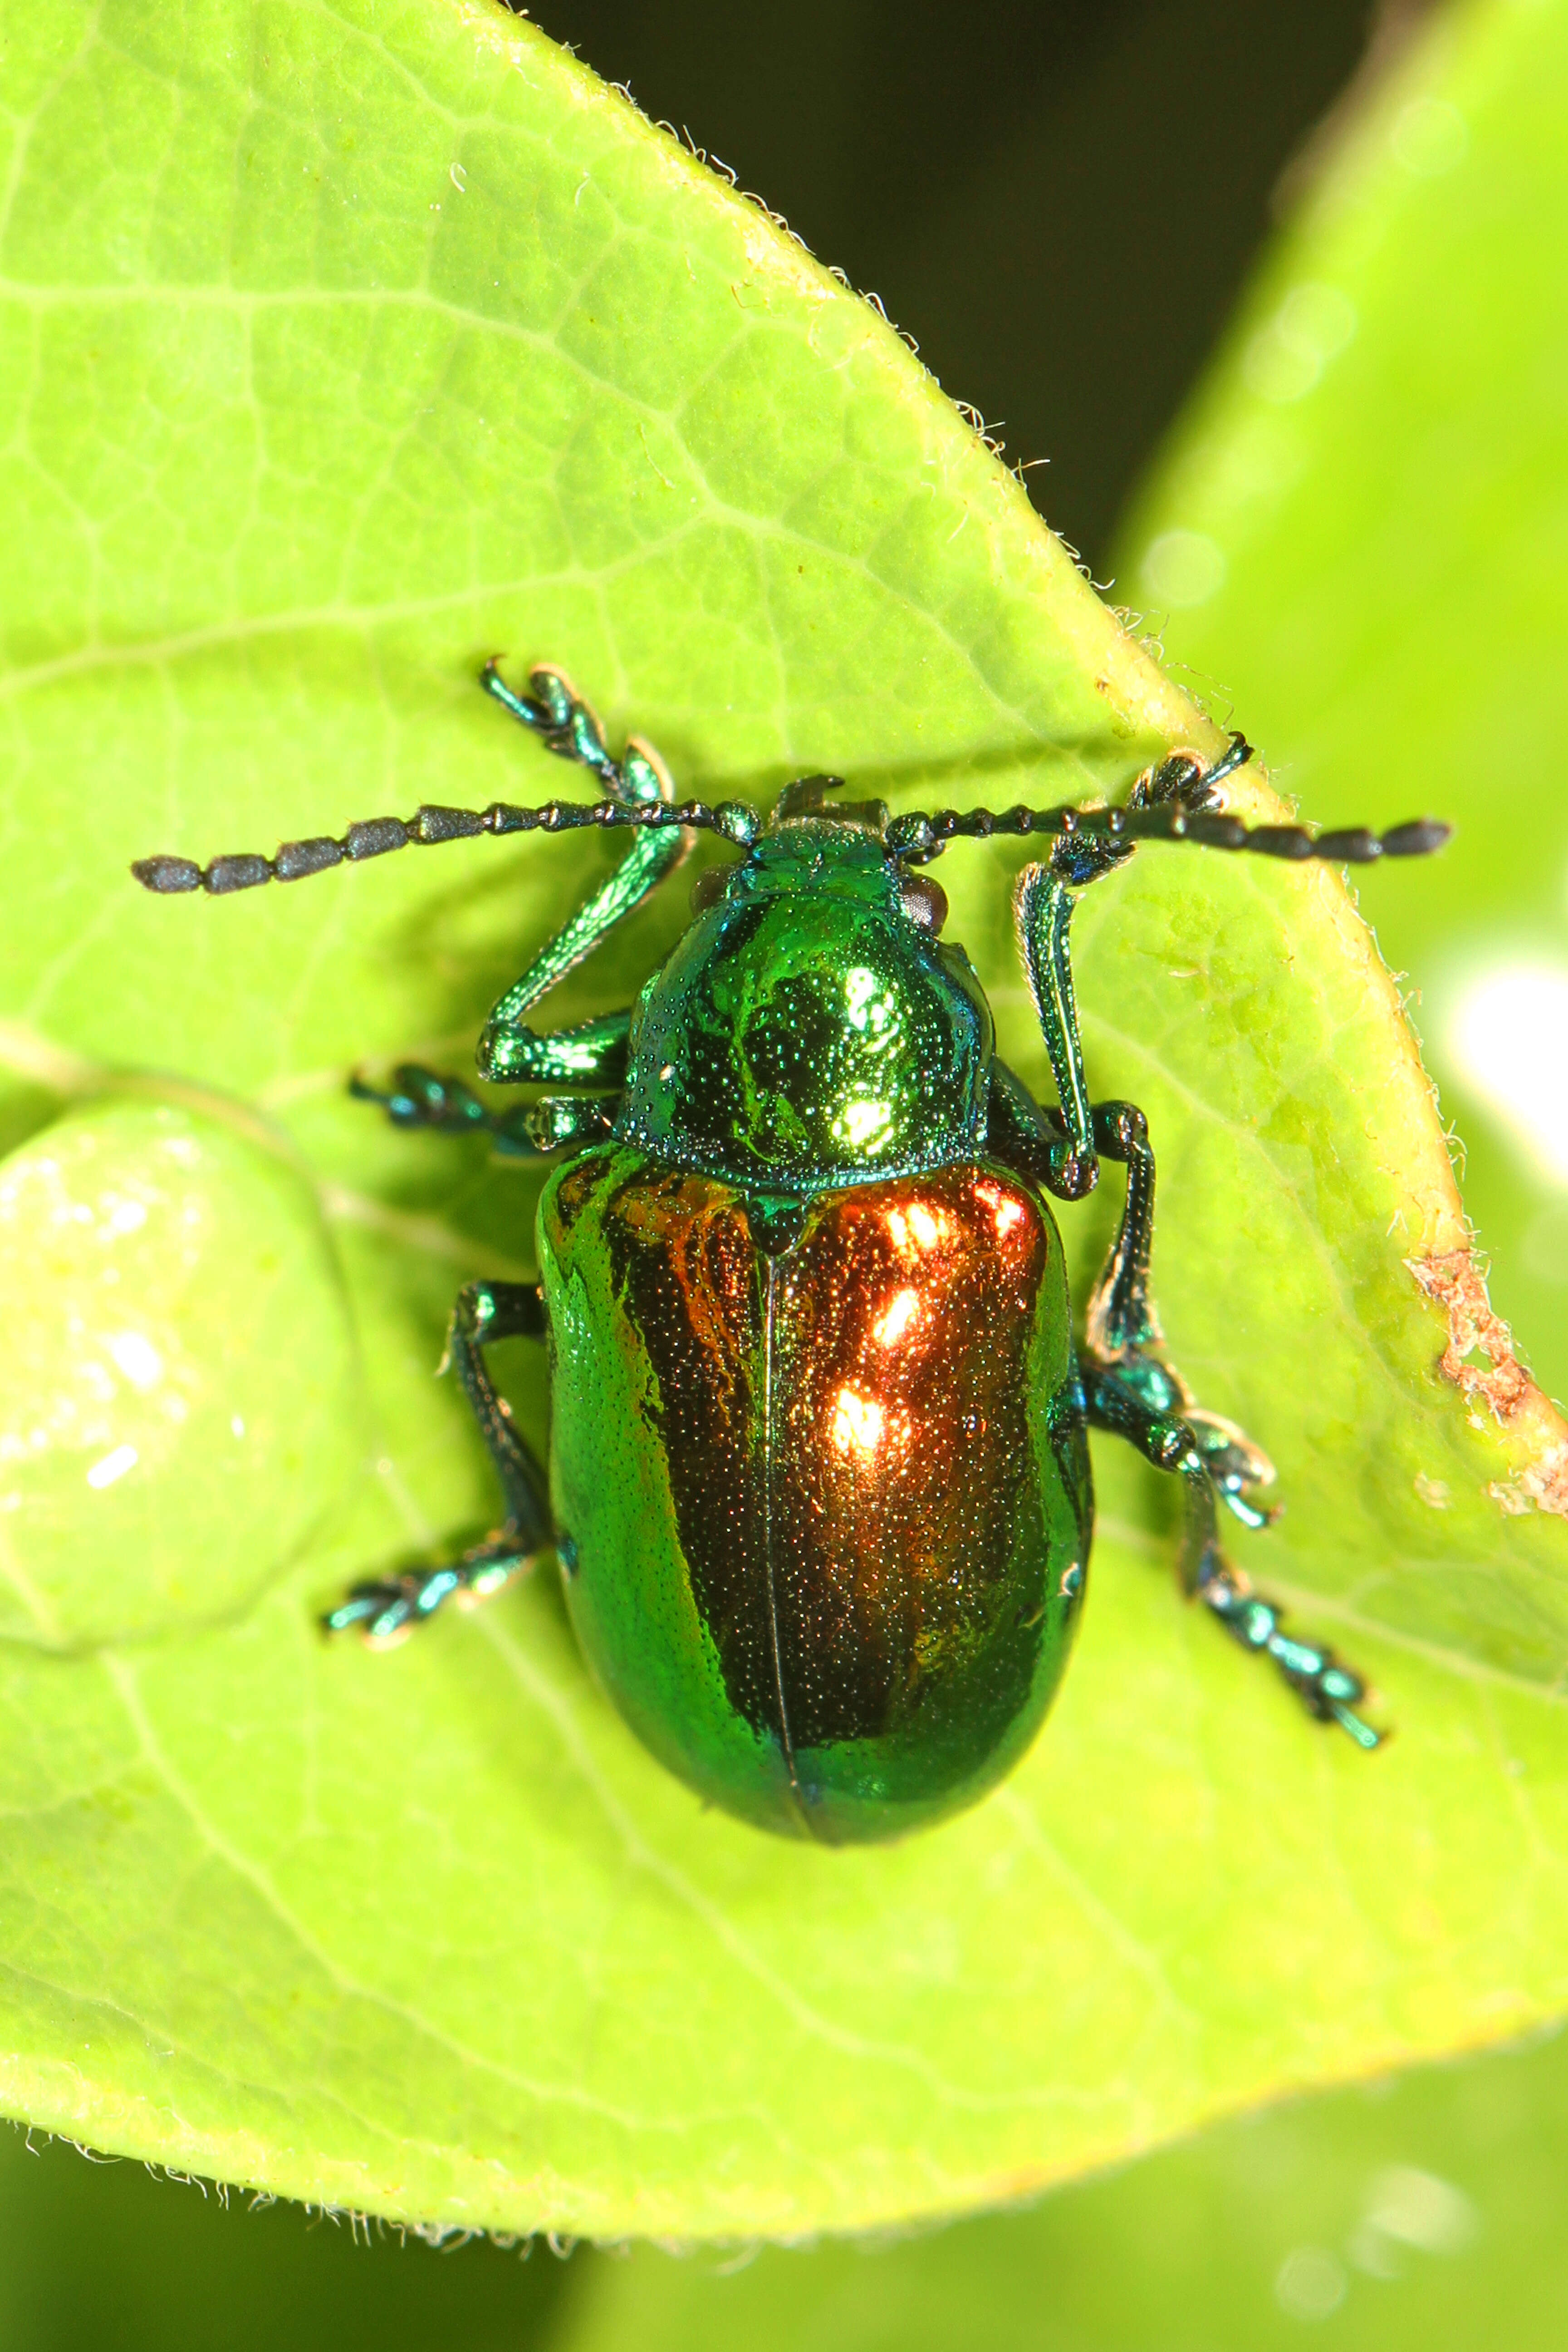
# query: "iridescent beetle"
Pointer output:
{"type": "Point", "coordinates": [819, 1480]}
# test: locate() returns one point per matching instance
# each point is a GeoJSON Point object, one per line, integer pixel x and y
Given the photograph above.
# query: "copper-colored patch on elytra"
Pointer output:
{"type": "Point", "coordinates": [847, 1431]}
{"type": "Point", "coordinates": [1454, 1281]}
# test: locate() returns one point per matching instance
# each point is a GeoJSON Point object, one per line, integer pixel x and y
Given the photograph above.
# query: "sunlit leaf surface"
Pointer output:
{"type": "Point", "coordinates": [343, 346]}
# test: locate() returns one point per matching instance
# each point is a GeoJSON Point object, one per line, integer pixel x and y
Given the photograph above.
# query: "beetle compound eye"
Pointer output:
{"type": "Point", "coordinates": [708, 888]}
{"type": "Point", "coordinates": [925, 901]}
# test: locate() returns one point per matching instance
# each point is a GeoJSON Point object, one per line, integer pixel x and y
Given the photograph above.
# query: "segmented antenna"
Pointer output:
{"type": "Point", "coordinates": [926, 837]}
{"type": "Point", "coordinates": [567, 727]}
{"type": "Point", "coordinates": [1169, 803]}
{"type": "Point", "coordinates": [375, 835]}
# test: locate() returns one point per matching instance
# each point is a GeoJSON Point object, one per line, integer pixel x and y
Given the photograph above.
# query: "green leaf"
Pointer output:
{"type": "Point", "coordinates": [348, 345]}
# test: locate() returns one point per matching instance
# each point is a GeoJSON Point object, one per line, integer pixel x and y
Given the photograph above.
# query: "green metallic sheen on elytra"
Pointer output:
{"type": "Point", "coordinates": [805, 1032]}
{"type": "Point", "coordinates": [825, 1512]}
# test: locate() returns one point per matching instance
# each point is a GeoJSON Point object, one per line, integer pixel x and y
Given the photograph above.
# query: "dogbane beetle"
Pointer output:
{"type": "Point", "coordinates": [819, 1482]}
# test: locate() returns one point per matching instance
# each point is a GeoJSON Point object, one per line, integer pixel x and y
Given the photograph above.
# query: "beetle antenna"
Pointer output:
{"type": "Point", "coordinates": [638, 793]}
{"type": "Point", "coordinates": [919, 837]}
{"type": "Point", "coordinates": [1170, 803]}
{"type": "Point", "coordinates": [375, 835]}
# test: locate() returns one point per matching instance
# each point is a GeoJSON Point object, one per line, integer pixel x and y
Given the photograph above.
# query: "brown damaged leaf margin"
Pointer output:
{"type": "Point", "coordinates": [1455, 1282]}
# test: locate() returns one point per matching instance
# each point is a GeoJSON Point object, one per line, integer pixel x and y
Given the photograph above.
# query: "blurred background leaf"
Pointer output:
{"type": "Point", "coordinates": [1330, 2200]}
{"type": "Point", "coordinates": [1420, 2215]}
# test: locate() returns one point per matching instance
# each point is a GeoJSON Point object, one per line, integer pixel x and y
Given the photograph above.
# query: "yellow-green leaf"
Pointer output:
{"type": "Point", "coordinates": [345, 346]}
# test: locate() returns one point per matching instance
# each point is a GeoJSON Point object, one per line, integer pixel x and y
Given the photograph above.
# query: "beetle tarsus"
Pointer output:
{"type": "Point", "coordinates": [1328, 1689]}
{"type": "Point", "coordinates": [426, 1101]}
{"type": "Point", "coordinates": [385, 1611]}
{"type": "Point", "coordinates": [1204, 1453]}
{"type": "Point", "coordinates": [419, 1098]}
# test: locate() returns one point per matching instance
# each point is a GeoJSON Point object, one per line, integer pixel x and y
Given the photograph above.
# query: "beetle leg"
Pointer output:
{"type": "Point", "coordinates": [1043, 904]}
{"type": "Point", "coordinates": [1120, 1317]}
{"type": "Point", "coordinates": [386, 1609]}
{"type": "Point", "coordinates": [1184, 778]}
{"type": "Point", "coordinates": [509, 1050]}
{"type": "Point", "coordinates": [485, 1312]}
{"type": "Point", "coordinates": [1116, 1400]}
{"type": "Point", "coordinates": [594, 1052]}
{"type": "Point", "coordinates": [1133, 1389]}
{"type": "Point", "coordinates": [422, 1097]}
{"type": "Point", "coordinates": [1042, 908]}
{"type": "Point", "coordinates": [425, 1098]}
{"type": "Point", "coordinates": [1122, 1329]}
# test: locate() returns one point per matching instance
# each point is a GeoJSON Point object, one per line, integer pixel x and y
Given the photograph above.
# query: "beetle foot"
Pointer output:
{"type": "Point", "coordinates": [421, 1097]}
{"type": "Point", "coordinates": [385, 1611]}
{"type": "Point", "coordinates": [1235, 1464]}
{"type": "Point", "coordinates": [1328, 1689]}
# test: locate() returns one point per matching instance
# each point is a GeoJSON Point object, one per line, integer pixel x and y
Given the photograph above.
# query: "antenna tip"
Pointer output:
{"type": "Point", "coordinates": [1417, 840]}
